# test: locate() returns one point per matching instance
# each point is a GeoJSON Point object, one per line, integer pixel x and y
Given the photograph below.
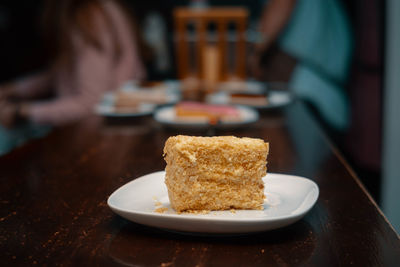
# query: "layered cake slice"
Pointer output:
{"type": "Point", "coordinates": [215, 173]}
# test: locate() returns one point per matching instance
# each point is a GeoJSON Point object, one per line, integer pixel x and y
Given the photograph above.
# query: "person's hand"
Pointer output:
{"type": "Point", "coordinates": [8, 113]}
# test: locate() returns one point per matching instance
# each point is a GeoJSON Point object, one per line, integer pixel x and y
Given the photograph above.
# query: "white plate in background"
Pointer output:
{"type": "Point", "coordinates": [276, 99]}
{"type": "Point", "coordinates": [167, 116]}
{"type": "Point", "coordinates": [106, 106]}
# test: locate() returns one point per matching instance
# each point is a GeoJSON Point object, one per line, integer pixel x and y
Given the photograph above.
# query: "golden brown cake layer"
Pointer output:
{"type": "Point", "coordinates": [215, 173]}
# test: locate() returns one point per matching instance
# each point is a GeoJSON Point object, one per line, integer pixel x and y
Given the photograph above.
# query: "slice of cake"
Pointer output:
{"type": "Point", "coordinates": [196, 110]}
{"type": "Point", "coordinates": [250, 99]}
{"type": "Point", "coordinates": [215, 173]}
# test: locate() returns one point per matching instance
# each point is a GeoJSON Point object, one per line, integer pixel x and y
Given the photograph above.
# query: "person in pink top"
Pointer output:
{"type": "Point", "coordinates": [94, 49]}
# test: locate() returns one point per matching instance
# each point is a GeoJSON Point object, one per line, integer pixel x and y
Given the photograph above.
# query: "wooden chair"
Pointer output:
{"type": "Point", "coordinates": [204, 59]}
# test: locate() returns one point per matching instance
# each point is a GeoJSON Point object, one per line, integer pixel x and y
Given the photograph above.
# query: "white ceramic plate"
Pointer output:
{"type": "Point", "coordinates": [289, 198]}
{"type": "Point", "coordinates": [166, 116]}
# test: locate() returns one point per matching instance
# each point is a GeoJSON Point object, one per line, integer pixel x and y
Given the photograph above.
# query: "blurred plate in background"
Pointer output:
{"type": "Point", "coordinates": [254, 94]}
{"type": "Point", "coordinates": [168, 117]}
{"type": "Point", "coordinates": [133, 100]}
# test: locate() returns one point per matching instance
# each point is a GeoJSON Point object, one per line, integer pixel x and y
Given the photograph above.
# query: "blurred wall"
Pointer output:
{"type": "Point", "coordinates": [363, 142]}
{"type": "Point", "coordinates": [20, 48]}
{"type": "Point", "coordinates": [391, 148]}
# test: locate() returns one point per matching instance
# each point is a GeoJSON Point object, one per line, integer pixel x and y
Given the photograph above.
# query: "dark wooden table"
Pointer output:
{"type": "Point", "coordinates": [54, 212]}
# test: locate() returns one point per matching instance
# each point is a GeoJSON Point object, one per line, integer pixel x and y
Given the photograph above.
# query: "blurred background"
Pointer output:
{"type": "Point", "coordinates": [354, 49]}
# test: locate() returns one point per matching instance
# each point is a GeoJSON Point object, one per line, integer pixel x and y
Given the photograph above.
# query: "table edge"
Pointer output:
{"type": "Point", "coordinates": [354, 175]}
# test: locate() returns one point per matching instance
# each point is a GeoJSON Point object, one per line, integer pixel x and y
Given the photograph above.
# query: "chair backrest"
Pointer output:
{"type": "Point", "coordinates": [203, 56]}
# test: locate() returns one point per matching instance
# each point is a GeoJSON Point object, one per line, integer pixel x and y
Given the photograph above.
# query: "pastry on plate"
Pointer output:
{"type": "Point", "coordinates": [215, 173]}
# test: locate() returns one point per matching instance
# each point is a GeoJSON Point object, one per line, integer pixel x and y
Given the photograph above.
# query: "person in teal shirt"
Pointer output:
{"type": "Point", "coordinates": [316, 33]}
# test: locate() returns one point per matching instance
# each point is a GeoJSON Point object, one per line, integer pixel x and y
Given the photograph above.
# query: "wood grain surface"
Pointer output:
{"type": "Point", "coordinates": [53, 194]}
